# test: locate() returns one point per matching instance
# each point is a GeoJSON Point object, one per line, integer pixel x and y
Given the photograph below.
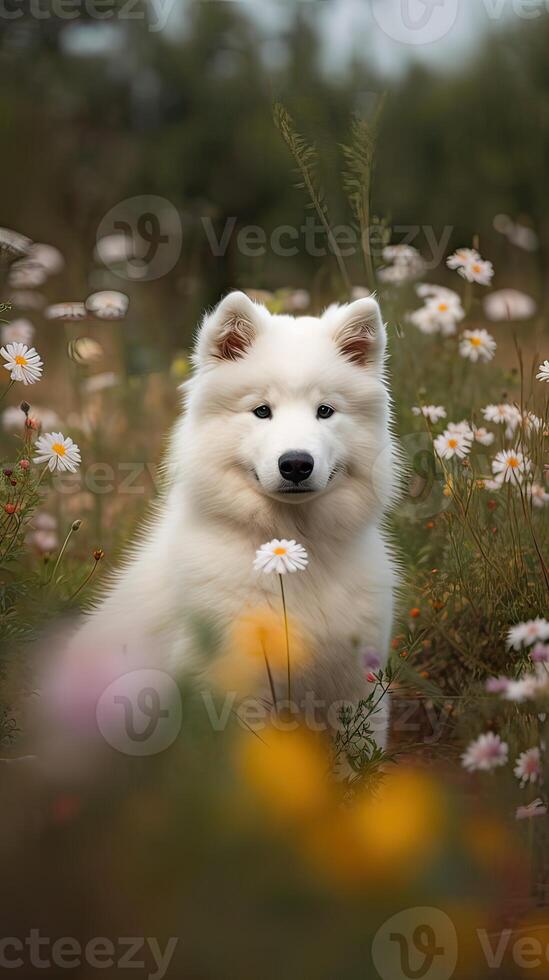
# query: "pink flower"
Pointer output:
{"type": "Point", "coordinates": [540, 653]}
{"type": "Point", "coordinates": [497, 685]}
{"type": "Point", "coordinates": [528, 767]}
{"type": "Point", "coordinates": [370, 658]}
{"type": "Point", "coordinates": [487, 752]}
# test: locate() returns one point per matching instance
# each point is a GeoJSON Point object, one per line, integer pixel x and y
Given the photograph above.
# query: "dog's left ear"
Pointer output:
{"type": "Point", "coordinates": [360, 334]}
{"type": "Point", "coordinates": [228, 332]}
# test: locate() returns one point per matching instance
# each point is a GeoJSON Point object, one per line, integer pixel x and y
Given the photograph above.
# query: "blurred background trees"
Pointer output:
{"type": "Point", "coordinates": [97, 111]}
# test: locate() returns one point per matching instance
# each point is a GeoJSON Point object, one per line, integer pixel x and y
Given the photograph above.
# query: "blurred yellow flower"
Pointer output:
{"type": "Point", "coordinates": [261, 633]}
{"type": "Point", "coordinates": [400, 830]}
{"type": "Point", "coordinates": [287, 772]}
{"type": "Point", "coordinates": [180, 367]}
{"type": "Point", "coordinates": [256, 647]}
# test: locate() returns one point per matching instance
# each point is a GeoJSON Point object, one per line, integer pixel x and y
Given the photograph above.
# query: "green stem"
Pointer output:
{"type": "Point", "coordinates": [287, 636]}
{"type": "Point", "coordinates": [84, 581]}
{"type": "Point", "coordinates": [61, 553]}
{"type": "Point", "coordinates": [4, 393]}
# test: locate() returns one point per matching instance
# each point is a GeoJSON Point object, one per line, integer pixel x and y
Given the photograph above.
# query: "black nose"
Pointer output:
{"type": "Point", "coordinates": [296, 466]}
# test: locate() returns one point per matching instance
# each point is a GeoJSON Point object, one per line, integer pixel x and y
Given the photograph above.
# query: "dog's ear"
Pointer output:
{"type": "Point", "coordinates": [229, 331]}
{"type": "Point", "coordinates": [359, 332]}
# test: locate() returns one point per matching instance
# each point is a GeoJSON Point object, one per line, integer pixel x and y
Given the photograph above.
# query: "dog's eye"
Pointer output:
{"type": "Point", "coordinates": [324, 411]}
{"type": "Point", "coordinates": [263, 412]}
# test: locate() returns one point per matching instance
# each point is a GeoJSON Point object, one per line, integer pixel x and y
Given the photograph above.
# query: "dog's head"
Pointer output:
{"type": "Point", "coordinates": [285, 409]}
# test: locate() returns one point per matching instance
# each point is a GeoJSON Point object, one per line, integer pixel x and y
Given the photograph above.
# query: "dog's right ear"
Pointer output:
{"type": "Point", "coordinates": [228, 332]}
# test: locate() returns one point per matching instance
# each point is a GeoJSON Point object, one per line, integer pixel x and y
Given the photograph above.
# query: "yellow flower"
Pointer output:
{"type": "Point", "coordinates": [400, 829]}
{"type": "Point", "coordinates": [257, 639]}
{"type": "Point", "coordinates": [287, 772]}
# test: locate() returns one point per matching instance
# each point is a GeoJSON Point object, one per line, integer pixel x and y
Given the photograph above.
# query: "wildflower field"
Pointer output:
{"type": "Point", "coordinates": [432, 848]}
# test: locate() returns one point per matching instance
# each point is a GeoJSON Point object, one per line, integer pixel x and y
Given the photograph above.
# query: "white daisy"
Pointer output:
{"type": "Point", "coordinates": [66, 311]}
{"type": "Point", "coordinates": [485, 753]}
{"type": "Point", "coordinates": [528, 767]}
{"type": "Point", "coordinates": [108, 304]}
{"type": "Point", "coordinates": [537, 494]}
{"type": "Point", "coordinates": [425, 289]}
{"type": "Point", "coordinates": [48, 257]}
{"type": "Point", "coordinates": [461, 256]}
{"type": "Point", "coordinates": [115, 248]}
{"type": "Point", "coordinates": [58, 451]}
{"type": "Point", "coordinates": [477, 270]}
{"type": "Point", "coordinates": [23, 362]}
{"type": "Point", "coordinates": [452, 443]}
{"type": "Point", "coordinates": [431, 412]}
{"type": "Point", "coordinates": [502, 414]}
{"type": "Point", "coordinates": [431, 320]}
{"type": "Point", "coordinates": [510, 464]}
{"type": "Point", "coordinates": [462, 427]}
{"type": "Point", "coordinates": [509, 304]}
{"type": "Point", "coordinates": [477, 345]}
{"type": "Point", "coordinates": [407, 264]}
{"type": "Point", "coordinates": [281, 557]}
{"type": "Point", "coordinates": [524, 634]}
{"type": "Point", "coordinates": [543, 371]}
{"type": "Point", "coordinates": [483, 436]}
{"type": "Point", "coordinates": [18, 331]}
{"type": "Point", "coordinates": [446, 306]}
{"type": "Point", "coordinates": [425, 320]}
{"type": "Point", "coordinates": [396, 275]}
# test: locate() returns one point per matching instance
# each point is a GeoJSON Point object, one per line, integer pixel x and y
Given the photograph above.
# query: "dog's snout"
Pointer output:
{"type": "Point", "coordinates": [296, 466]}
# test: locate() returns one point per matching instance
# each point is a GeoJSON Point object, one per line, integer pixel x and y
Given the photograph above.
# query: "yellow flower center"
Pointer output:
{"type": "Point", "coordinates": [20, 359]}
{"type": "Point", "coordinates": [443, 307]}
{"type": "Point", "coordinates": [59, 448]}
{"type": "Point", "coordinates": [513, 461]}
{"type": "Point", "coordinates": [475, 341]}
{"type": "Point", "coordinates": [280, 551]}
{"type": "Point", "coordinates": [476, 268]}
{"type": "Point", "coordinates": [452, 443]}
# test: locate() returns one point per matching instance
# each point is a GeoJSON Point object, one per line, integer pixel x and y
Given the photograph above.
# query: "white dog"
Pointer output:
{"type": "Point", "coordinates": [285, 434]}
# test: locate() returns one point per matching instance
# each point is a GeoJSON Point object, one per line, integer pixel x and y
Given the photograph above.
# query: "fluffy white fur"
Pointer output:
{"type": "Point", "coordinates": [223, 500]}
